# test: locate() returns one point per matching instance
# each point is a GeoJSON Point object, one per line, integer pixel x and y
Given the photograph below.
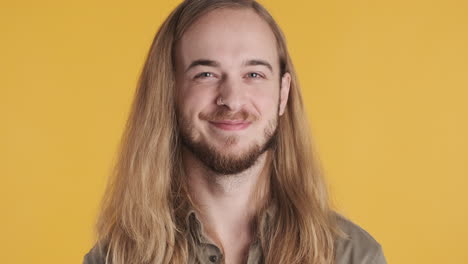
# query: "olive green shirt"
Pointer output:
{"type": "Point", "coordinates": [360, 248]}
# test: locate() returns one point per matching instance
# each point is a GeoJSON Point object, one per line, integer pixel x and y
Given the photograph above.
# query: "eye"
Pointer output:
{"type": "Point", "coordinates": [254, 75]}
{"type": "Point", "coordinates": [204, 75]}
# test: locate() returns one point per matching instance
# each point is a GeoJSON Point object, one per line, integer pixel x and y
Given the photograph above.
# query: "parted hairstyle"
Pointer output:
{"type": "Point", "coordinates": [142, 216]}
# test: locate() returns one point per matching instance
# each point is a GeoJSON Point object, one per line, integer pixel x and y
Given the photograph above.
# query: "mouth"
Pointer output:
{"type": "Point", "coordinates": [230, 124]}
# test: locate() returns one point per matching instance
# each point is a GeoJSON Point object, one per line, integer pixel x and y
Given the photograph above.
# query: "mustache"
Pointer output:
{"type": "Point", "coordinates": [225, 114]}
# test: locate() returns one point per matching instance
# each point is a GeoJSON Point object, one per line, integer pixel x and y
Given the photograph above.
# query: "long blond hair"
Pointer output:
{"type": "Point", "coordinates": [142, 212]}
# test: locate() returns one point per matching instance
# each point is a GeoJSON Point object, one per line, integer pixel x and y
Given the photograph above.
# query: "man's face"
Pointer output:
{"type": "Point", "coordinates": [229, 54]}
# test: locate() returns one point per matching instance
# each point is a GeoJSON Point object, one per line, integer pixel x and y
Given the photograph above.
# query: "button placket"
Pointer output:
{"type": "Point", "coordinates": [206, 251]}
{"type": "Point", "coordinates": [213, 258]}
{"type": "Point", "coordinates": [210, 253]}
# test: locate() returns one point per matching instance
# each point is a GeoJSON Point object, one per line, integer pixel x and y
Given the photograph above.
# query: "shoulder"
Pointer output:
{"type": "Point", "coordinates": [360, 247]}
{"type": "Point", "coordinates": [96, 255]}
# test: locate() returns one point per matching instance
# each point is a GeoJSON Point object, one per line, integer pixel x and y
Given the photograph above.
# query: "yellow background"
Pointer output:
{"type": "Point", "coordinates": [386, 88]}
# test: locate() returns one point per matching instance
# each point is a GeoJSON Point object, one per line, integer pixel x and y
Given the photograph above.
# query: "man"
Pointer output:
{"type": "Point", "coordinates": [216, 163]}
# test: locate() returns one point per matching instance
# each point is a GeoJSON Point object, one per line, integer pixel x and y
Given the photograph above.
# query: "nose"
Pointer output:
{"type": "Point", "coordinates": [233, 94]}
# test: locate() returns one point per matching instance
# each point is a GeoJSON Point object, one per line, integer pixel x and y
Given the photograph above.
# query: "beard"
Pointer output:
{"type": "Point", "coordinates": [227, 164]}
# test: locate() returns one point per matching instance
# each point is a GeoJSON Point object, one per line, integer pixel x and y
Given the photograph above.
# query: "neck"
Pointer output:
{"type": "Point", "coordinates": [227, 204]}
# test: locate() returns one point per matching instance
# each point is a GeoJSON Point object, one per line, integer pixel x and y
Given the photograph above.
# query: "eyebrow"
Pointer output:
{"type": "Point", "coordinates": [202, 62]}
{"type": "Point", "coordinates": [212, 63]}
{"type": "Point", "coordinates": [259, 62]}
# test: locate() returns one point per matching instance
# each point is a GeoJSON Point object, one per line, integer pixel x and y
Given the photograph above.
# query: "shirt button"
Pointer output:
{"type": "Point", "coordinates": [213, 258]}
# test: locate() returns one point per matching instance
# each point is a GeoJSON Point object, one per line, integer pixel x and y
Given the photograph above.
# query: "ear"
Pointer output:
{"type": "Point", "coordinates": [284, 92]}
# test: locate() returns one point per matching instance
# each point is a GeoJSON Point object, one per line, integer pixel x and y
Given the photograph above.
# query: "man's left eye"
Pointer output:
{"type": "Point", "coordinates": [254, 75]}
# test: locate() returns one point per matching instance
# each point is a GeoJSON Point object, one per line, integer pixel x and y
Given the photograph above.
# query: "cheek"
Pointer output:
{"type": "Point", "coordinates": [266, 102]}
{"type": "Point", "coordinates": [192, 101]}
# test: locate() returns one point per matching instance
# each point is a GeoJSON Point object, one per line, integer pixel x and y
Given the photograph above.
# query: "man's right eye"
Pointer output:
{"type": "Point", "coordinates": [204, 75]}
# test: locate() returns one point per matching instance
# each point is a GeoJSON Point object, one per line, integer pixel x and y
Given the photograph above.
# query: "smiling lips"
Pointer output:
{"type": "Point", "coordinates": [230, 124]}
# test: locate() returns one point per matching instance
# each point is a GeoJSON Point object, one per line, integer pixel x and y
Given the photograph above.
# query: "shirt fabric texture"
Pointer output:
{"type": "Point", "coordinates": [359, 248]}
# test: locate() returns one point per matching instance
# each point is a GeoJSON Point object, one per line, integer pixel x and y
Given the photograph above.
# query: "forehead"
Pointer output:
{"type": "Point", "coordinates": [228, 36]}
